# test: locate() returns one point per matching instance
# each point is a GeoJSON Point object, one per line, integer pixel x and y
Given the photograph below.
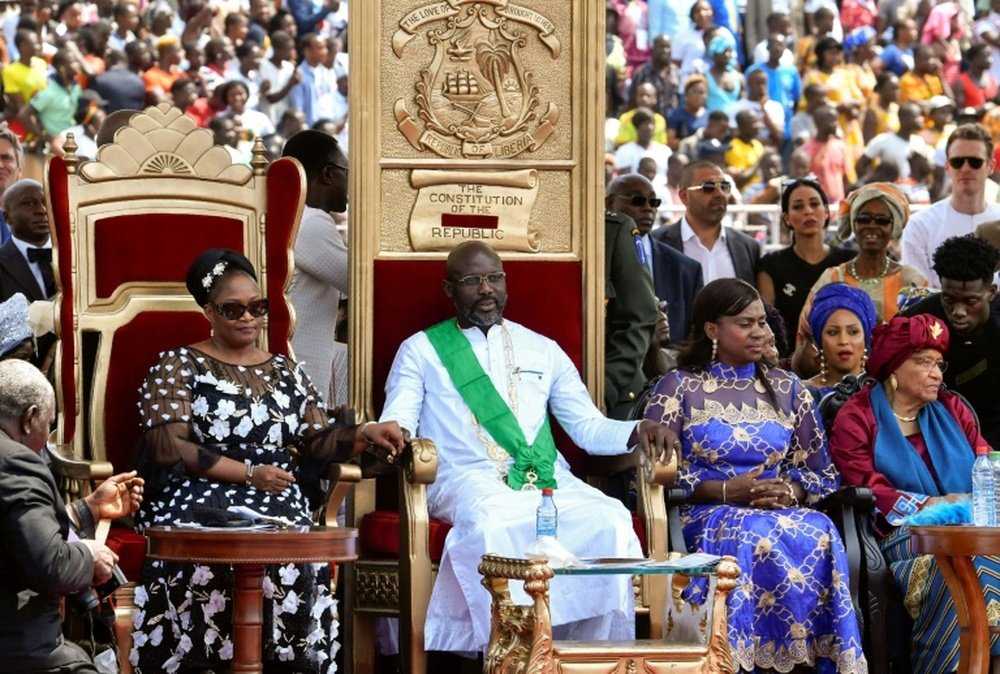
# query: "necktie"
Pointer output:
{"type": "Point", "coordinates": [43, 256]}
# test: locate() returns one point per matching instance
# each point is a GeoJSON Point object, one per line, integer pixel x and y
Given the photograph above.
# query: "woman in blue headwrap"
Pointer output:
{"type": "Point", "coordinates": [725, 82]}
{"type": "Point", "coordinates": [841, 319]}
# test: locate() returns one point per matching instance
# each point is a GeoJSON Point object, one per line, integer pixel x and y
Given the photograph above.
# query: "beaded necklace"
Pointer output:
{"type": "Point", "coordinates": [852, 267]}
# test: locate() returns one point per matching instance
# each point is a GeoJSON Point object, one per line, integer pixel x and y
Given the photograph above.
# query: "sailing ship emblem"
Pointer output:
{"type": "Point", "coordinates": [476, 98]}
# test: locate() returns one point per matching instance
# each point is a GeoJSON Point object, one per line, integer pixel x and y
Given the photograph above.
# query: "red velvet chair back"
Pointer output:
{"type": "Point", "coordinates": [125, 229]}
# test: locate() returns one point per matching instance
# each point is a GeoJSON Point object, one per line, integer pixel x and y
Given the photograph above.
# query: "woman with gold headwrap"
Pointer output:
{"type": "Point", "coordinates": [912, 444]}
{"type": "Point", "coordinates": [875, 214]}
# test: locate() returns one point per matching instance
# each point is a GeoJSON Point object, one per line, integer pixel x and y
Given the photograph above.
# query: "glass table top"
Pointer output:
{"type": "Point", "coordinates": [693, 564]}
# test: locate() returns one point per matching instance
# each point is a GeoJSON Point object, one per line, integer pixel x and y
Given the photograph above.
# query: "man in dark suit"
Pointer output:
{"type": "Point", "coordinates": [676, 277]}
{"type": "Point", "coordinates": [26, 259]}
{"type": "Point", "coordinates": [38, 564]}
{"type": "Point", "coordinates": [722, 251]}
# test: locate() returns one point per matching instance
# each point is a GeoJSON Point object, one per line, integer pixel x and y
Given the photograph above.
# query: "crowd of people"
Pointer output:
{"type": "Point", "coordinates": [876, 117]}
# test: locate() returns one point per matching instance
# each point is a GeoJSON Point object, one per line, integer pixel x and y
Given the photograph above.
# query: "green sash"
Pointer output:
{"type": "Point", "coordinates": [533, 464]}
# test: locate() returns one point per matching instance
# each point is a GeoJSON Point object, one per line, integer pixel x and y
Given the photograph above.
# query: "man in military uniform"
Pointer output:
{"type": "Point", "coordinates": [630, 314]}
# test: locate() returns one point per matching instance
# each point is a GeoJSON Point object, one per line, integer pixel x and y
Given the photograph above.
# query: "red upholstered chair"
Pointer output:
{"type": "Point", "coordinates": [400, 546]}
{"type": "Point", "coordinates": [125, 228]}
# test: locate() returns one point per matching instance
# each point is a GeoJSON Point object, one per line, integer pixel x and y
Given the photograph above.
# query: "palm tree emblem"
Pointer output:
{"type": "Point", "coordinates": [495, 61]}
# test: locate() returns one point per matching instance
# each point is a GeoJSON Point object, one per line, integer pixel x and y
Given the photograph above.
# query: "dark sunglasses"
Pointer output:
{"type": "Point", "coordinates": [233, 311]}
{"type": "Point", "coordinates": [790, 183]}
{"type": "Point", "coordinates": [975, 163]}
{"type": "Point", "coordinates": [709, 186]}
{"type": "Point", "coordinates": [639, 200]}
{"type": "Point", "coordinates": [867, 219]}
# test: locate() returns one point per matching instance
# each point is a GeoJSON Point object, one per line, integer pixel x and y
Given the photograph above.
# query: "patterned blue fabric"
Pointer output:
{"type": "Point", "coordinates": [928, 601]}
{"type": "Point", "coordinates": [792, 604]}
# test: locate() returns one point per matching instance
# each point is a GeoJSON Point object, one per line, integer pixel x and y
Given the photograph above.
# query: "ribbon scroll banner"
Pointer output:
{"type": "Point", "coordinates": [489, 206]}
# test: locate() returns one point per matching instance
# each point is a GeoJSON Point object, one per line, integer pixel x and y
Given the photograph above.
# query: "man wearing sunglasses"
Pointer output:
{"type": "Point", "coordinates": [969, 152]}
{"type": "Point", "coordinates": [722, 252]}
{"type": "Point", "coordinates": [321, 271]}
{"type": "Point", "coordinates": [676, 277]}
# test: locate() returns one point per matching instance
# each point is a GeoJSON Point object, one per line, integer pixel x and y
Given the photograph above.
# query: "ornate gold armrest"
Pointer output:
{"type": "Point", "coordinates": [657, 472]}
{"type": "Point", "coordinates": [420, 462]}
{"type": "Point", "coordinates": [343, 476]}
{"type": "Point", "coordinates": [75, 478]}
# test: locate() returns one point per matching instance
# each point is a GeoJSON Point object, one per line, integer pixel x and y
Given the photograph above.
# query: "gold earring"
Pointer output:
{"type": "Point", "coordinates": [893, 382]}
{"type": "Point", "coordinates": [822, 366]}
{"type": "Point", "coordinates": [715, 349]}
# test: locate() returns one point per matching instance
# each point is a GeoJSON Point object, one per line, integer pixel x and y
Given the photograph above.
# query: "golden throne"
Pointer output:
{"type": "Point", "coordinates": [125, 227]}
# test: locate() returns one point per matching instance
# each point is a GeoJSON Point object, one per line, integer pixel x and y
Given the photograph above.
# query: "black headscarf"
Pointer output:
{"type": "Point", "coordinates": [209, 267]}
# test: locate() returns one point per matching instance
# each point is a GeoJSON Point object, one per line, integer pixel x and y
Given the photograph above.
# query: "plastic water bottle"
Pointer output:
{"type": "Point", "coordinates": [547, 516]}
{"type": "Point", "coordinates": [983, 490]}
{"type": "Point", "coordinates": [995, 461]}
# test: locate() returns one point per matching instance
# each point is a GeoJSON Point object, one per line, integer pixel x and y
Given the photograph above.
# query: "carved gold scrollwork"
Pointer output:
{"type": "Point", "coordinates": [421, 466]}
{"type": "Point", "coordinates": [521, 636]}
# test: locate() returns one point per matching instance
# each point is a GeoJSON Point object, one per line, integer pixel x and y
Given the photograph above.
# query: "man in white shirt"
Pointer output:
{"type": "Point", "coordinates": [969, 152]}
{"type": "Point", "coordinates": [321, 271]}
{"type": "Point", "coordinates": [896, 147]}
{"type": "Point", "coordinates": [281, 75]}
{"type": "Point", "coordinates": [723, 252]}
{"type": "Point", "coordinates": [514, 377]}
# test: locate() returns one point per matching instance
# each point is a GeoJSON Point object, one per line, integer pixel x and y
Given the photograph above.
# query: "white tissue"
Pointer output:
{"type": "Point", "coordinates": [549, 548]}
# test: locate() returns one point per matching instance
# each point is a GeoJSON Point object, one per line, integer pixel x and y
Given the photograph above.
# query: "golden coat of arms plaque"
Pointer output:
{"type": "Point", "coordinates": [477, 98]}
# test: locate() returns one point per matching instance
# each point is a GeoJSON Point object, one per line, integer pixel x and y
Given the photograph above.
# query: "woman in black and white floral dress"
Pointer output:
{"type": "Point", "coordinates": [226, 423]}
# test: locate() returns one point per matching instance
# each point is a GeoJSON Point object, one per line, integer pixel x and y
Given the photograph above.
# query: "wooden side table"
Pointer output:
{"type": "Point", "coordinates": [954, 547]}
{"type": "Point", "coordinates": [521, 636]}
{"type": "Point", "coordinates": [248, 550]}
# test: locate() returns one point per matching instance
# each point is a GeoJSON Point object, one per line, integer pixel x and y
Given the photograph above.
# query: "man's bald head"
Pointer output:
{"type": "Point", "coordinates": [462, 255]}
{"type": "Point", "coordinates": [113, 122]}
{"type": "Point", "coordinates": [25, 211]}
{"type": "Point", "coordinates": [18, 189]}
{"type": "Point", "coordinates": [623, 193]}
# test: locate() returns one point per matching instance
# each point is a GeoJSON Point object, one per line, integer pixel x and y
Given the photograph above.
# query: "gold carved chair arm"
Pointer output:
{"type": "Point", "coordinates": [76, 478]}
{"type": "Point", "coordinates": [420, 462]}
{"type": "Point", "coordinates": [416, 572]}
{"type": "Point", "coordinates": [651, 482]}
{"type": "Point", "coordinates": [343, 477]}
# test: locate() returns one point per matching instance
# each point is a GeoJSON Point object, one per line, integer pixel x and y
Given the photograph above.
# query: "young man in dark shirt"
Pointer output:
{"type": "Point", "coordinates": [967, 302]}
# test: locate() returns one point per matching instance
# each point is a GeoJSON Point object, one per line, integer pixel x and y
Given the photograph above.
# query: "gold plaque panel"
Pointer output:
{"type": "Point", "coordinates": [549, 225]}
{"type": "Point", "coordinates": [479, 78]}
{"type": "Point", "coordinates": [476, 120]}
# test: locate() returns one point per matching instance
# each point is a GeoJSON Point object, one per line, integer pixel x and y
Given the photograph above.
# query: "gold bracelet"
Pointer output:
{"type": "Point", "coordinates": [724, 491]}
{"type": "Point", "coordinates": [363, 432]}
{"type": "Point", "coordinates": [793, 499]}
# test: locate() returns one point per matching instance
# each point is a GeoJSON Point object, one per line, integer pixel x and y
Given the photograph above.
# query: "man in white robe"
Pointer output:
{"type": "Point", "coordinates": [533, 376]}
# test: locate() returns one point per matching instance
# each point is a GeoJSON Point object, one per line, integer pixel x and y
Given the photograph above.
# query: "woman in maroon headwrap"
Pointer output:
{"type": "Point", "coordinates": [913, 444]}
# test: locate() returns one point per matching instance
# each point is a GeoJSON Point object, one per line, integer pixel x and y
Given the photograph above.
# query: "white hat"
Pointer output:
{"type": "Point", "coordinates": [14, 328]}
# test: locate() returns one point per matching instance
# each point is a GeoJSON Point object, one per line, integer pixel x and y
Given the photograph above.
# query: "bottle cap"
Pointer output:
{"type": "Point", "coordinates": [982, 450]}
{"type": "Point", "coordinates": [547, 491]}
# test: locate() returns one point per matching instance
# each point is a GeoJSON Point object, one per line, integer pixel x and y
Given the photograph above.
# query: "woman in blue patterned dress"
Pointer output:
{"type": "Point", "coordinates": [226, 423]}
{"type": "Point", "coordinates": [752, 453]}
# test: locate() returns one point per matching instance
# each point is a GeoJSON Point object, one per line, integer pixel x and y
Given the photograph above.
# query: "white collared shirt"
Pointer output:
{"type": "Point", "coordinates": [716, 261]}
{"type": "Point", "coordinates": [36, 271]}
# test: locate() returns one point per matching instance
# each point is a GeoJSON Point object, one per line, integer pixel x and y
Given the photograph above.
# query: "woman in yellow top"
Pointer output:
{"type": "Point", "coordinates": [875, 214]}
{"type": "Point", "coordinates": [883, 109]}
